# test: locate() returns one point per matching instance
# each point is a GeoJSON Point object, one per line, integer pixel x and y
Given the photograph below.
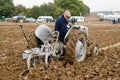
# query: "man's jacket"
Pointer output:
{"type": "Point", "coordinates": [61, 26]}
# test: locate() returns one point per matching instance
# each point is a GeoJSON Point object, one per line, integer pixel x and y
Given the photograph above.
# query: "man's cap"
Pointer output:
{"type": "Point", "coordinates": [67, 13]}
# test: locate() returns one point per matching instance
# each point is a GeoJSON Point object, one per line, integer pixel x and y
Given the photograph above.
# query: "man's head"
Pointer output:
{"type": "Point", "coordinates": [67, 14]}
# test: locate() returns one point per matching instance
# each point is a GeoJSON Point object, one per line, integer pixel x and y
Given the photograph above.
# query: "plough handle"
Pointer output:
{"type": "Point", "coordinates": [24, 35]}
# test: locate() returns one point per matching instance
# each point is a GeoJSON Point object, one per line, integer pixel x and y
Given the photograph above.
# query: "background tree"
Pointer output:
{"type": "Point", "coordinates": [76, 7]}
{"type": "Point", "coordinates": [29, 12]}
{"type": "Point", "coordinates": [58, 12]}
{"type": "Point", "coordinates": [5, 8]}
{"type": "Point", "coordinates": [35, 12]}
{"type": "Point", "coordinates": [47, 9]}
{"type": "Point", "coordinates": [19, 9]}
{"type": "Point", "coordinates": [43, 10]}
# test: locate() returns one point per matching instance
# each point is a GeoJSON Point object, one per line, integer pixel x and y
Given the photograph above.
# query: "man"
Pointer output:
{"type": "Point", "coordinates": [61, 24]}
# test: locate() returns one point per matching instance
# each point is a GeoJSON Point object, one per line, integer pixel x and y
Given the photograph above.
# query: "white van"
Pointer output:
{"type": "Point", "coordinates": [78, 18]}
{"type": "Point", "coordinates": [45, 19]}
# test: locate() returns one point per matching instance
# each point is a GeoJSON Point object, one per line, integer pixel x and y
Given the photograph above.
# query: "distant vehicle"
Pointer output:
{"type": "Point", "coordinates": [30, 19]}
{"type": "Point", "coordinates": [45, 19]}
{"type": "Point", "coordinates": [19, 18]}
{"type": "Point", "coordinates": [105, 15]}
{"type": "Point", "coordinates": [8, 19]}
{"type": "Point", "coordinates": [110, 16]}
{"type": "Point", "coordinates": [77, 18]}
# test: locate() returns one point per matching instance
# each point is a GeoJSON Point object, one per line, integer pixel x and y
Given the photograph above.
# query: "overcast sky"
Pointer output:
{"type": "Point", "coordinates": [95, 5]}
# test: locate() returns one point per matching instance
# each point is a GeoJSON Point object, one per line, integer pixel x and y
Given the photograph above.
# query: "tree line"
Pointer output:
{"type": "Point", "coordinates": [77, 8]}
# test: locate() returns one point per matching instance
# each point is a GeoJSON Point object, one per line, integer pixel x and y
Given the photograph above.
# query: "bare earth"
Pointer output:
{"type": "Point", "coordinates": [105, 66]}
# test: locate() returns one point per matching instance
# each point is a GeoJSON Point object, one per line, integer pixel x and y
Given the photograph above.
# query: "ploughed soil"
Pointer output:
{"type": "Point", "coordinates": [105, 66]}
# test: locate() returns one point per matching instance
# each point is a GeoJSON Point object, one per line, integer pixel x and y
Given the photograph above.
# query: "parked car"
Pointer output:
{"type": "Point", "coordinates": [30, 19]}
{"type": "Point", "coordinates": [19, 18]}
{"type": "Point", "coordinates": [45, 19]}
{"type": "Point", "coordinates": [77, 18]}
{"type": "Point", "coordinates": [8, 19]}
